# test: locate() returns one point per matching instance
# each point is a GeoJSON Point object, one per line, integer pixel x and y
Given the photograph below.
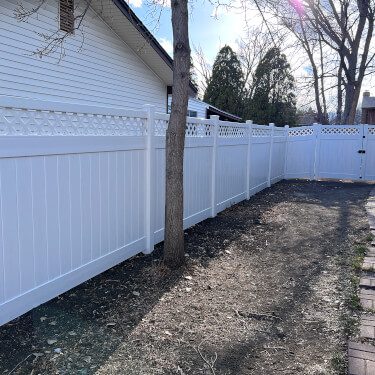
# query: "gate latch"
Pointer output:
{"type": "Point", "coordinates": [361, 151]}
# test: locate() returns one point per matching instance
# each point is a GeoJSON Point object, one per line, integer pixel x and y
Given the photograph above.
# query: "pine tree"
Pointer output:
{"type": "Point", "coordinates": [274, 99]}
{"type": "Point", "coordinates": [225, 87]}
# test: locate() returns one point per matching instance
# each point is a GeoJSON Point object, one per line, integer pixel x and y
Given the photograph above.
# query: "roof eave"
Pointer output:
{"type": "Point", "coordinates": [147, 35]}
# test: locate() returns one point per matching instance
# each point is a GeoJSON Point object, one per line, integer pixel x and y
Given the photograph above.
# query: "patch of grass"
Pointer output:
{"type": "Point", "coordinates": [369, 238]}
{"type": "Point", "coordinates": [355, 281]}
{"type": "Point", "coordinates": [357, 263]}
{"type": "Point", "coordinates": [351, 317]}
{"type": "Point", "coordinates": [360, 249]}
{"type": "Point", "coordinates": [350, 324]}
{"type": "Point", "coordinates": [338, 363]}
{"type": "Point", "coordinates": [352, 302]}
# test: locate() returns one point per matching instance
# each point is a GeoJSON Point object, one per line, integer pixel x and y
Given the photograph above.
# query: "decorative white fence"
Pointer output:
{"type": "Point", "coordinates": [331, 151]}
{"type": "Point", "coordinates": [82, 188]}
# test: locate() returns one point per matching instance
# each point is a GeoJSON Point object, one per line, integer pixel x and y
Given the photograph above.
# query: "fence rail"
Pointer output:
{"type": "Point", "coordinates": [83, 188]}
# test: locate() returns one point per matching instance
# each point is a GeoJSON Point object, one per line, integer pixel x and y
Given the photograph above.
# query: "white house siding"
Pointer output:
{"type": "Point", "coordinates": [104, 72]}
{"type": "Point", "coordinates": [198, 106]}
{"type": "Point", "coordinates": [195, 105]}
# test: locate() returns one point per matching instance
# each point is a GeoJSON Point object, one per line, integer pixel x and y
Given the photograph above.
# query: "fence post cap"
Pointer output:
{"type": "Point", "coordinates": [271, 124]}
{"type": "Point", "coordinates": [286, 126]}
{"type": "Point", "coordinates": [249, 122]}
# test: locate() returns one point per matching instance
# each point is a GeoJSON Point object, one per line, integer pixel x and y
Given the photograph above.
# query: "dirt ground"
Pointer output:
{"type": "Point", "coordinates": [263, 292]}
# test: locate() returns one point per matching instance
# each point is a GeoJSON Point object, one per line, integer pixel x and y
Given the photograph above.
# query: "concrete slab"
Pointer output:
{"type": "Point", "coordinates": [361, 359]}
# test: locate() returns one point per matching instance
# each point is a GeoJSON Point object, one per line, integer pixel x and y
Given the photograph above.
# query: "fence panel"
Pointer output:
{"type": "Point", "coordinates": [368, 166]}
{"type": "Point", "coordinates": [337, 151]}
{"type": "Point", "coordinates": [278, 155]}
{"type": "Point", "coordinates": [72, 188]}
{"type": "Point", "coordinates": [259, 157]}
{"type": "Point", "coordinates": [231, 164]}
{"type": "Point", "coordinates": [300, 154]}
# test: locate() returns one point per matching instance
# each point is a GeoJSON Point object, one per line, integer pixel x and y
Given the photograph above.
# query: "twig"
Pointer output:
{"type": "Point", "coordinates": [210, 363]}
{"type": "Point", "coordinates": [257, 315]}
{"type": "Point", "coordinates": [274, 347]}
{"type": "Point", "coordinates": [20, 363]}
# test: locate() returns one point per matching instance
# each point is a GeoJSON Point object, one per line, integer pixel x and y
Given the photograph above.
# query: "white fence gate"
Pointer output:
{"type": "Point", "coordinates": [328, 151]}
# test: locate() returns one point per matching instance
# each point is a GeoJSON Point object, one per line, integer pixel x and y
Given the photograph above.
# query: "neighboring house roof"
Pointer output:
{"type": "Point", "coordinates": [211, 110]}
{"type": "Point", "coordinates": [368, 102]}
{"type": "Point", "coordinates": [136, 35]}
{"type": "Point", "coordinates": [216, 111]}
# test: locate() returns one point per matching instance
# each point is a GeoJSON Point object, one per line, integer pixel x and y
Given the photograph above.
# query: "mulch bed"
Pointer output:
{"type": "Point", "coordinates": [263, 292]}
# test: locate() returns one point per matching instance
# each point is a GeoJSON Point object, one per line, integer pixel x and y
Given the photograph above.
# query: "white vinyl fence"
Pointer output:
{"type": "Point", "coordinates": [82, 188]}
{"type": "Point", "coordinates": [331, 151]}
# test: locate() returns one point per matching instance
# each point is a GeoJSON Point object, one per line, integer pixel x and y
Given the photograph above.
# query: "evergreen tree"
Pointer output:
{"type": "Point", "coordinates": [274, 99]}
{"type": "Point", "coordinates": [193, 74]}
{"type": "Point", "coordinates": [225, 87]}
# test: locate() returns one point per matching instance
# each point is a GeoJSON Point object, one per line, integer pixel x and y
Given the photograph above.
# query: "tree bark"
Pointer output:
{"type": "Point", "coordinates": [339, 96]}
{"type": "Point", "coordinates": [174, 254]}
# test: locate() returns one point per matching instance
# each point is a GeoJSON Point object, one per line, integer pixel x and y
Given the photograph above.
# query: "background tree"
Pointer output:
{"type": "Point", "coordinates": [342, 29]}
{"type": "Point", "coordinates": [274, 92]}
{"type": "Point", "coordinates": [252, 48]}
{"type": "Point", "coordinates": [203, 68]}
{"type": "Point", "coordinates": [225, 88]}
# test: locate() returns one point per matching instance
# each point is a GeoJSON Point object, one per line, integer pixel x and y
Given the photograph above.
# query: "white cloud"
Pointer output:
{"type": "Point", "coordinates": [162, 3]}
{"type": "Point", "coordinates": [136, 3]}
{"type": "Point", "coordinates": [167, 45]}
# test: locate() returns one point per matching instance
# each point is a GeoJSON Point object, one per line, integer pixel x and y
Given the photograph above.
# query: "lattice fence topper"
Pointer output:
{"type": "Point", "coordinates": [257, 132]}
{"type": "Point", "coordinates": [161, 127]}
{"type": "Point", "coordinates": [230, 131]}
{"type": "Point", "coordinates": [340, 130]}
{"type": "Point", "coordinates": [371, 131]}
{"type": "Point", "coordinates": [199, 130]}
{"type": "Point", "coordinates": [32, 122]}
{"type": "Point", "coordinates": [300, 132]}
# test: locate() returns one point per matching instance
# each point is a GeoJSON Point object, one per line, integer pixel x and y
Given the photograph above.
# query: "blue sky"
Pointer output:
{"type": "Point", "coordinates": [204, 29]}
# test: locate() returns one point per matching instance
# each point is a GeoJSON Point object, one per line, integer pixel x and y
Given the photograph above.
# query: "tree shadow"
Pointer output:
{"type": "Point", "coordinates": [90, 321]}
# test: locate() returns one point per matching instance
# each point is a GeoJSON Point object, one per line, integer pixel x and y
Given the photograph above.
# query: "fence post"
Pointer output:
{"type": "Point", "coordinates": [150, 178]}
{"type": "Point", "coordinates": [272, 126]}
{"type": "Point", "coordinates": [249, 138]}
{"type": "Point", "coordinates": [314, 151]}
{"type": "Point", "coordinates": [286, 127]}
{"type": "Point", "coordinates": [215, 119]}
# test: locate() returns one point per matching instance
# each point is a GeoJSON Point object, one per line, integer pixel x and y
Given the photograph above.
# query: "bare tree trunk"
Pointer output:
{"type": "Point", "coordinates": [339, 96]}
{"type": "Point", "coordinates": [325, 119]}
{"type": "Point", "coordinates": [174, 255]}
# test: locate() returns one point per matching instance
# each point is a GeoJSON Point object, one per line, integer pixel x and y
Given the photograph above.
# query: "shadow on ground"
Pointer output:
{"type": "Point", "coordinates": [279, 245]}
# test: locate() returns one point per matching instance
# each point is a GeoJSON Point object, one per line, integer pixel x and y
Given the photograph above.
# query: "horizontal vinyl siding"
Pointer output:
{"type": "Point", "coordinates": [104, 72]}
{"type": "Point", "coordinates": [194, 105]}
{"type": "Point", "coordinates": [198, 106]}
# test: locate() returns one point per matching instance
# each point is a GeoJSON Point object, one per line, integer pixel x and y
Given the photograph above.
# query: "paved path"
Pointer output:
{"type": "Point", "coordinates": [362, 356]}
